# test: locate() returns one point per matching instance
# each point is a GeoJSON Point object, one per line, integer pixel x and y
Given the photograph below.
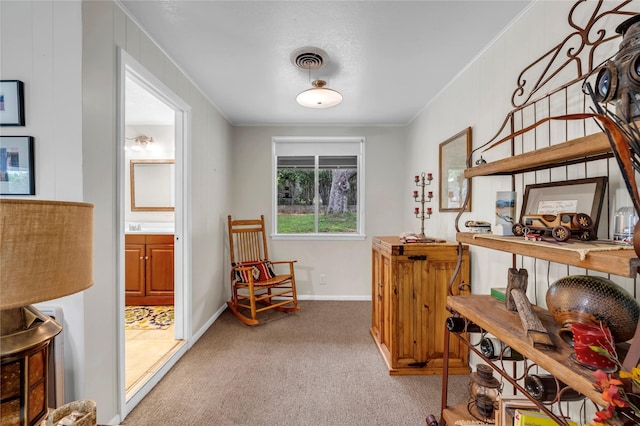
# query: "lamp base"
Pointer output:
{"type": "Point", "coordinates": [25, 335]}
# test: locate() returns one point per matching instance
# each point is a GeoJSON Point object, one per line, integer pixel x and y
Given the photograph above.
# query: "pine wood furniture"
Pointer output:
{"type": "Point", "coordinates": [247, 247]}
{"type": "Point", "coordinates": [149, 269]}
{"type": "Point", "coordinates": [410, 284]}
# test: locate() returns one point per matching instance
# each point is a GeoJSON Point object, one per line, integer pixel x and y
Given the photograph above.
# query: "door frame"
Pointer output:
{"type": "Point", "coordinates": [129, 66]}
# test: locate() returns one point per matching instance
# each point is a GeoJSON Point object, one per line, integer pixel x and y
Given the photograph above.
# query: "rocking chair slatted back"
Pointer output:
{"type": "Point", "coordinates": [250, 240]}
{"type": "Point", "coordinates": [248, 244]}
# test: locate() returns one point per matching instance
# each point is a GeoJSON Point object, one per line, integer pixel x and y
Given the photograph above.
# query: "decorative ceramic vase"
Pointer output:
{"type": "Point", "coordinates": [636, 239]}
{"type": "Point", "coordinates": [587, 335]}
{"type": "Point", "coordinates": [593, 300]}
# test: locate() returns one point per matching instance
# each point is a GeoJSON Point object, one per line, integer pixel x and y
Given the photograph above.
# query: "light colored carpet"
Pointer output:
{"type": "Point", "coordinates": [318, 366]}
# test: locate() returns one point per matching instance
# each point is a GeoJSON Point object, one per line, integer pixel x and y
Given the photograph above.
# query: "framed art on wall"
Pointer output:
{"type": "Point", "coordinates": [11, 103]}
{"type": "Point", "coordinates": [17, 175]}
{"type": "Point", "coordinates": [453, 161]}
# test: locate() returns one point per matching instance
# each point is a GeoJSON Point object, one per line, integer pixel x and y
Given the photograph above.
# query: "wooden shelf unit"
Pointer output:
{"type": "Point", "coordinates": [492, 315]}
{"type": "Point", "coordinates": [456, 412]}
{"type": "Point", "coordinates": [621, 262]}
{"type": "Point", "coordinates": [587, 148]}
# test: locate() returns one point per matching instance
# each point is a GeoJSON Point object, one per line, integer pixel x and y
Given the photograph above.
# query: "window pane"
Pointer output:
{"type": "Point", "coordinates": [338, 190]}
{"type": "Point", "coordinates": [296, 211]}
{"type": "Point", "coordinates": [317, 183]}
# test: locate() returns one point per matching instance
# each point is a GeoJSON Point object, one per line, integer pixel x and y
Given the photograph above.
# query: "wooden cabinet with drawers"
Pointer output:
{"type": "Point", "coordinates": [149, 271]}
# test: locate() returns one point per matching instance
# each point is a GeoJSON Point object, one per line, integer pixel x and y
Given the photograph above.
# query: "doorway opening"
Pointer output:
{"type": "Point", "coordinates": [149, 159]}
{"type": "Point", "coordinates": [152, 129]}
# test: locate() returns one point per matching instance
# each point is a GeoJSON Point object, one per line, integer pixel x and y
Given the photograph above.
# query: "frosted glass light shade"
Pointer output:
{"type": "Point", "coordinates": [319, 96]}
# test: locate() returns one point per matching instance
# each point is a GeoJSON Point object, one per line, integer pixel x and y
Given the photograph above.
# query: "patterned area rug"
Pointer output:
{"type": "Point", "coordinates": [148, 317]}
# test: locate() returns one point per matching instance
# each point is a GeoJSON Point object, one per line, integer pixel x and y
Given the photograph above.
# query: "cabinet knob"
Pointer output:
{"type": "Point", "coordinates": [141, 257]}
{"type": "Point", "coordinates": [146, 258]}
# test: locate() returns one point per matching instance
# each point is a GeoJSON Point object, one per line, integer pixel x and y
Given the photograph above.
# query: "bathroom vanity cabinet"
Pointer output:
{"type": "Point", "coordinates": [149, 269]}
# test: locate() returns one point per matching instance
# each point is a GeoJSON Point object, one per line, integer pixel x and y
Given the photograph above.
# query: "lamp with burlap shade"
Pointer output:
{"type": "Point", "coordinates": [46, 252]}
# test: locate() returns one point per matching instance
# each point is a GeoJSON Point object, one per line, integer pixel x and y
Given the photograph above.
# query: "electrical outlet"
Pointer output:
{"type": "Point", "coordinates": [323, 279]}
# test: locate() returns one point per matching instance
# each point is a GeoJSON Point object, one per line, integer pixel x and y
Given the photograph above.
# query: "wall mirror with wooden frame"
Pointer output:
{"type": "Point", "coordinates": [152, 185]}
{"type": "Point", "coordinates": [453, 161]}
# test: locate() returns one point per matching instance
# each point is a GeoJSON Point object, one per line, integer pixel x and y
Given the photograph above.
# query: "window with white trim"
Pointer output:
{"type": "Point", "coordinates": [318, 187]}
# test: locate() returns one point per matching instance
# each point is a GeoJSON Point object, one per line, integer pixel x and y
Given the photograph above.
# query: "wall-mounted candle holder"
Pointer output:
{"type": "Point", "coordinates": [422, 198]}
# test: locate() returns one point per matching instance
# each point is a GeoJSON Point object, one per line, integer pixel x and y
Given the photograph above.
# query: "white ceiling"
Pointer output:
{"type": "Point", "coordinates": [387, 58]}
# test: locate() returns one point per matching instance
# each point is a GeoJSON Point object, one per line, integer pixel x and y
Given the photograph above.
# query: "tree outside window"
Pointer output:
{"type": "Point", "coordinates": [317, 194]}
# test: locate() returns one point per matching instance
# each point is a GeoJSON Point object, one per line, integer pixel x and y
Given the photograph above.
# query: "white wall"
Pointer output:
{"type": "Point", "coordinates": [46, 57]}
{"type": "Point", "coordinates": [347, 264]}
{"type": "Point", "coordinates": [66, 56]}
{"type": "Point", "coordinates": [105, 28]}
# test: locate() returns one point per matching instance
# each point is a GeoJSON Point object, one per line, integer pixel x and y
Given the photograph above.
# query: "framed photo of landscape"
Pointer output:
{"type": "Point", "coordinates": [11, 103]}
{"type": "Point", "coordinates": [17, 166]}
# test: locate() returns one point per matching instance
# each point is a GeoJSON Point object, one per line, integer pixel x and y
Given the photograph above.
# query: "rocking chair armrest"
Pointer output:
{"type": "Point", "coordinates": [241, 268]}
{"type": "Point", "coordinates": [286, 262]}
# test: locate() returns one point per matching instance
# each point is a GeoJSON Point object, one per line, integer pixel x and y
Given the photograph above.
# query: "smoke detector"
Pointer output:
{"type": "Point", "coordinates": [309, 58]}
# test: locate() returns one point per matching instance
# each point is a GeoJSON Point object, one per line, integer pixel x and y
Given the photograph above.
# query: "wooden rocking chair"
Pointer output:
{"type": "Point", "coordinates": [253, 275]}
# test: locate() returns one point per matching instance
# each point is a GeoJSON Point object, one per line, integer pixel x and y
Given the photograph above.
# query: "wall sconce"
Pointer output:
{"type": "Point", "coordinates": [142, 140]}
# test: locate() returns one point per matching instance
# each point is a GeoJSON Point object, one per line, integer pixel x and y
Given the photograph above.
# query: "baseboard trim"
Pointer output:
{"type": "Point", "coordinates": [198, 334]}
{"type": "Point", "coordinates": [366, 298]}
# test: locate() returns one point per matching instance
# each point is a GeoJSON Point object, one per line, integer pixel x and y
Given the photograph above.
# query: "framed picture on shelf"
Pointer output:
{"type": "Point", "coordinates": [505, 208]}
{"type": "Point", "coordinates": [507, 406]}
{"type": "Point", "coordinates": [571, 196]}
{"type": "Point", "coordinates": [453, 161]}
{"type": "Point", "coordinates": [11, 103]}
{"type": "Point", "coordinates": [17, 166]}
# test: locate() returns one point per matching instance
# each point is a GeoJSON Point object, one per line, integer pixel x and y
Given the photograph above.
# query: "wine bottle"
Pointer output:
{"type": "Point", "coordinates": [462, 325]}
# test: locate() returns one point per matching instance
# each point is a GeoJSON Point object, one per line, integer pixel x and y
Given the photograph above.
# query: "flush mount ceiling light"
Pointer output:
{"type": "Point", "coordinates": [319, 96]}
{"type": "Point", "coordinates": [308, 58]}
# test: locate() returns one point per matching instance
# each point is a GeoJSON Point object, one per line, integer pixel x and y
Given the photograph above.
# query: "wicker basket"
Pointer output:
{"type": "Point", "coordinates": [87, 418]}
